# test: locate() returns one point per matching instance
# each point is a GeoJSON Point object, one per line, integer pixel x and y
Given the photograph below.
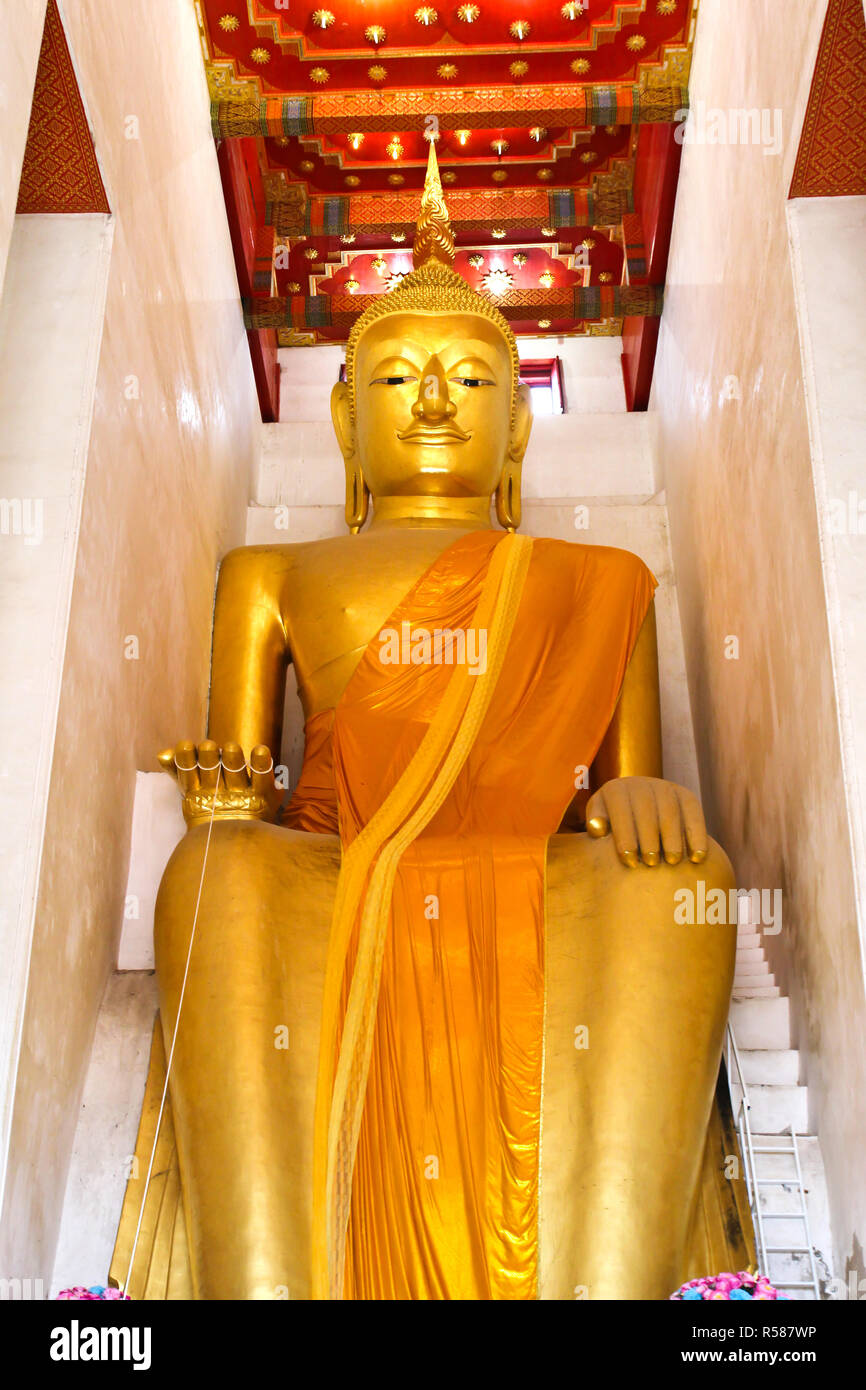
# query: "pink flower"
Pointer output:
{"type": "Point", "coordinates": [95, 1294]}
{"type": "Point", "coordinates": [728, 1285]}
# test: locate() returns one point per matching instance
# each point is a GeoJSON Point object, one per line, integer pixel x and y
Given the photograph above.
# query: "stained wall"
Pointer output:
{"type": "Point", "coordinates": [735, 458]}
{"type": "Point", "coordinates": [174, 429]}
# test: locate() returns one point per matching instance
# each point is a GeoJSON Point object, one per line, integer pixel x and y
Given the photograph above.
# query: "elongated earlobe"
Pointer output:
{"type": "Point", "coordinates": [507, 498]}
{"type": "Point", "coordinates": [357, 492]}
{"type": "Point", "coordinates": [357, 496]}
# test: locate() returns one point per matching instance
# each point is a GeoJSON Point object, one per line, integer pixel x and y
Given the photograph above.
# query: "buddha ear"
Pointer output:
{"type": "Point", "coordinates": [507, 496]}
{"type": "Point", "coordinates": [357, 492]}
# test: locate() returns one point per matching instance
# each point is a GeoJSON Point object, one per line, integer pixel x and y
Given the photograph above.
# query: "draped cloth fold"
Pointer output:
{"type": "Point", "coordinates": [449, 778]}
{"type": "Point", "coordinates": [366, 880]}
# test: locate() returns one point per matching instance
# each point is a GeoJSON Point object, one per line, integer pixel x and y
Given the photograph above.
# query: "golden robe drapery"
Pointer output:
{"type": "Point", "coordinates": [428, 1129]}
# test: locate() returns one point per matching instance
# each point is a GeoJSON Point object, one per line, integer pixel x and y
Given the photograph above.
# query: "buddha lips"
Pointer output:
{"type": "Point", "coordinates": [441, 646]}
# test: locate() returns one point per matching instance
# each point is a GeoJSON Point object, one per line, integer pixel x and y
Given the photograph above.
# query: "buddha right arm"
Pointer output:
{"type": "Point", "coordinates": [250, 648]}
{"type": "Point", "coordinates": [248, 671]}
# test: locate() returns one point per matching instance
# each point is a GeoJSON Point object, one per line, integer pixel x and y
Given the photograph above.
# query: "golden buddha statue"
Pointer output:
{"type": "Point", "coordinates": [440, 1036]}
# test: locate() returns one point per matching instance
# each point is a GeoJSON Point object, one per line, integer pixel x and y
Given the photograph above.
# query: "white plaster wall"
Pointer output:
{"type": "Point", "coordinates": [157, 828]}
{"type": "Point", "coordinates": [591, 368]}
{"type": "Point", "coordinates": [834, 370]}
{"type": "Point", "coordinates": [306, 378]}
{"type": "Point", "coordinates": [168, 479]}
{"type": "Point", "coordinates": [738, 476]}
{"type": "Point", "coordinates": [54, 264]}
{"type": "Point", "coordinates": [21, 25]}
{"type": "Point", "coordinates": [585, 455]}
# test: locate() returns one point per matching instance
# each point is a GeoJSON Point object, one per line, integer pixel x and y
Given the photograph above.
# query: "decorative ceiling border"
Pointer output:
{"type": "Point", "coordinates": [604, 328]}
{"type": "Point", "coordinates": [595, 302]}
{"type": "Point", "coordinates": [327, 113]}
{"type": "Point", "coordinates": [512, 209]}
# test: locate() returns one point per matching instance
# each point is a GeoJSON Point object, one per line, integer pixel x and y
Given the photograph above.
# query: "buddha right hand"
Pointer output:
{"type": "Point", "coordinates": [221, 782]}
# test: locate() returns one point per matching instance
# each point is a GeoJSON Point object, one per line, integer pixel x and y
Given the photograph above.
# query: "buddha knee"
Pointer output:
{"type": "Point", "coordinates": [232, 842]}
{"type": "Point", "coordinates": [663, 896]}
{"type": "Point", "coordinates": [710, 882]}
{"type": "Point", "coordinates": [226, 865]}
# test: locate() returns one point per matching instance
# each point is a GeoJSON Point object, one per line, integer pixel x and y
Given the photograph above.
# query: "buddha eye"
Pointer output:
{"type": "Point", "coordinates": [472, 381]}
{"type": "Point", "coordinates": [392, 380]}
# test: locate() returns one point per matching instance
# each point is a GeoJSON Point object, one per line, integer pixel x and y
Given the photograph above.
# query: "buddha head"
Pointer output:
{"type": "Point", "coordinates": [432, 405]}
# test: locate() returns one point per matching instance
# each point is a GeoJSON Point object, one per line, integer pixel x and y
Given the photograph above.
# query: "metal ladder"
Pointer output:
{"type": "Point", "coordinates": [794, 1182]}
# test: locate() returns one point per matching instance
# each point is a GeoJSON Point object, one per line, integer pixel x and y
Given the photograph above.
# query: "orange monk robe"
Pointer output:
{"type": "Point", "coordinates": [444, 1196]}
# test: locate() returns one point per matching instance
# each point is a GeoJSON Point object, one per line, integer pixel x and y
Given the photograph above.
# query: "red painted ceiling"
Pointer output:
{"type": "Point", "coordinates": [286, 50]}
{"type": "Point", "coordinates": [299, 51]}
{"type": "Point", "coordinates": [325, 163]}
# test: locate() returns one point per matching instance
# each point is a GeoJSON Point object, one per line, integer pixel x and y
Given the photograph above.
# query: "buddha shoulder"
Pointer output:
{"type": "Point", "coordinates": [283, 575]}
{"type": "Point", "coordinates": [601, 562]}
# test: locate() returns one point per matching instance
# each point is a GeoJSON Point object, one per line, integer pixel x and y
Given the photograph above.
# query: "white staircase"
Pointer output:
{"type": "Point", "coordinates": [784, 1172]}
{"type": "Point", "coordinates": [752, 978]}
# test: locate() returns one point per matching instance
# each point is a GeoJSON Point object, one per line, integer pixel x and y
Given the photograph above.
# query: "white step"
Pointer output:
{"type": "Point", "coordinates": [757, 991]}
{"type": "Point", "coordinates": [750, 955]}
{"type": "Point", "coordinates": [761, 1023]}
{"type": "Point", "coordinates": [770, 1066]}
{"type": "Point", "coordinates": [747, 940]}
{"type": "Point", "coordinates": [774, 1109]}
{"type": "Point", "coordinates": [757, 971]}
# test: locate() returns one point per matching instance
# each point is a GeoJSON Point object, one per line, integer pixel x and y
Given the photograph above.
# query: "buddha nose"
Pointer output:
{"type": "Point", "coordinates": [433, 402]}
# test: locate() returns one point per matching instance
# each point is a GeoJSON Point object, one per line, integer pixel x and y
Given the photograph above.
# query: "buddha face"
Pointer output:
{"type": "Point", "coordinates": [432, 407]}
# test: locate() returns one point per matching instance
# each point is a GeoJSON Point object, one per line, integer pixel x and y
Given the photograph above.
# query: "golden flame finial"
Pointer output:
{"type": "Point", "coordinates": [433, 239]}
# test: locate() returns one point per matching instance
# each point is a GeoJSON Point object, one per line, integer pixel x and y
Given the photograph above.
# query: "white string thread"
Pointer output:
{"type": "Point", "coordinates": [176, 1022]}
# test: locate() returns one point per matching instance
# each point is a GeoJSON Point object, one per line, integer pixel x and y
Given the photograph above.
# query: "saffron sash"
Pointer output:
{"type": "Point", "coordinates": [449, 781]}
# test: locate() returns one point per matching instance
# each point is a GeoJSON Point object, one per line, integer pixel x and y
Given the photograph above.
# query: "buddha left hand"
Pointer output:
{"type": "Point", "coordinates": [221, 783]}
{"type": "Point", "coordinates": [648, 818]}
